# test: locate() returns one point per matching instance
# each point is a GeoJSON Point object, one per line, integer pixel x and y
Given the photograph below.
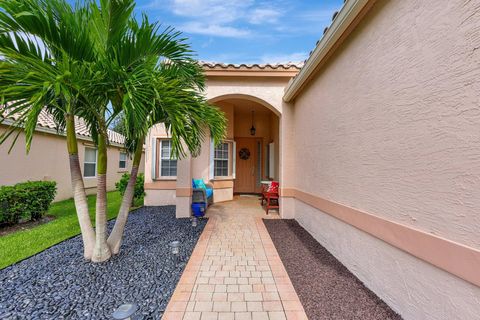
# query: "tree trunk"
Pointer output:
{"type": "Point", "coordinates": [101, 251]}
{"type": "Point", "coordinates": [78, 188]}
{"type": "Point", "coordinates": [115, 238]}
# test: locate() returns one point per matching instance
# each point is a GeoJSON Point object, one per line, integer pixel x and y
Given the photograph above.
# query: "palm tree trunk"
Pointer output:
{"type": "Point", "coordinates": [115, 238]}
{"type": "Point", "coordinates": [78, 188]}
{"type": "Point", "coordinates": [101, 252]}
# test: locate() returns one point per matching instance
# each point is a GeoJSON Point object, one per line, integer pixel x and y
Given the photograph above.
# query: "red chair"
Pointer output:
{"type": "Point", "coordinates": [270, 195]}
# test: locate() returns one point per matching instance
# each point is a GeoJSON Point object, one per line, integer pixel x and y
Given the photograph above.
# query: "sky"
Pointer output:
{"type": "Point", "coordinates": [246, 31]}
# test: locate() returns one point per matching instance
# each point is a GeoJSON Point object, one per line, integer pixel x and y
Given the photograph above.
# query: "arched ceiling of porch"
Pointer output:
{"type": "Point", "coordinates": [247, 102]}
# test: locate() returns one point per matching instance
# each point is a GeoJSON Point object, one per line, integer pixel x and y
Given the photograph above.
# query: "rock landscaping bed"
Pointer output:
{"type": "Point", "coordinates": [58, 284]}
{"type": "Point", "coordinates": [325, 287]}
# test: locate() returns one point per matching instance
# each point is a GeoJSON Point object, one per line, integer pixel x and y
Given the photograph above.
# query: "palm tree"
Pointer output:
{"type": "Point", "coordinates": [44, 67]}
{"type": "Point", "coordinates": [96, 54]}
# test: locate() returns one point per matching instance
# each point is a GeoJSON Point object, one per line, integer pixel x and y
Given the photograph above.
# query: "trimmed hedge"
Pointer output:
{"type": "Point", "coordinates": [28, 200]}
{"type": "Point", "coordinates": [139, 192]}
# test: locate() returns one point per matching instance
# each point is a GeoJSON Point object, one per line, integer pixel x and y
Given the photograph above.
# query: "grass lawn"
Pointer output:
{"type": "Point", "coordinates": [25, 243]}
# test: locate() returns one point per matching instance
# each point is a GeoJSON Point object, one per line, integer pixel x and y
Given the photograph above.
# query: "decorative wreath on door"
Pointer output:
{"type": "Point", "coordinates": [244, 153]}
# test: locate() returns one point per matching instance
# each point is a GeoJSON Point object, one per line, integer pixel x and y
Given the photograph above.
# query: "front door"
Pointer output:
{"type": "Point", "coordinates": [246, 165]}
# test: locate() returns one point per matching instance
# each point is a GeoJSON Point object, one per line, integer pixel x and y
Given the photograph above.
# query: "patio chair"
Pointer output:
{"type": "Point", "coordinates": [202, 193]}
{"type": "Point", "coordinates": [265, 187]}
{"type": "Point", "coordinates": [271, 197]}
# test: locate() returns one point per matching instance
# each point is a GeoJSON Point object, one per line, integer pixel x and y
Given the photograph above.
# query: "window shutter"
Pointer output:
{"type": "Point", "coordinates": [211, 165]}
{"type": "Point", "coordinates": [234, 159]}
{"type": "Point", "coordinates": [154, 158]}
{"type": "Point", "coordinates": [271, 160]}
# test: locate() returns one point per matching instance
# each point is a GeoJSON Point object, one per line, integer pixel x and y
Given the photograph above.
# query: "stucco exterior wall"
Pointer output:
{"type": "Point", "coordinates": [260, 89]}
{"type": "Point", "coordinates": [389, 126]}
{"type": "Point", "coordinates": [48, 160]}
{"type": "Point", "coordinates": [265, 91]}
{"type": "Point", "coordinates": [412, 287]}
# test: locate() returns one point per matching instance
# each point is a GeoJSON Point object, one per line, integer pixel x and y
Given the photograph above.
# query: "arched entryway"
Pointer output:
{"type": "Point", "coordinates": [252, 139]}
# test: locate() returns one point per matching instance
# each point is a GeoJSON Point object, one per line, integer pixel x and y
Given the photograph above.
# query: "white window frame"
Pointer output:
{"type": "Point", "coordinates": [227, 159]}
{"type": "Point", "coordinates": [120, 160]}
{"type": "Point", "coordinates": [88, 162]}
{"type": "Point", "coordinates": [162, 158]}
{"type": "Point", "coordinates": [231, 161]}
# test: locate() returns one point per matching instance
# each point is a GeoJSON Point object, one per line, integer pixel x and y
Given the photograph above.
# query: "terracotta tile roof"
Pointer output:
{"type": "Point", "coordinates": [45, 120]}
{"type": "Point", "coordinates": [243, 66]}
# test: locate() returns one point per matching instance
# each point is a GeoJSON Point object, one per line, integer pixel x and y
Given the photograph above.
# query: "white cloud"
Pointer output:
{"type": "Point", "coordinates": [264, 15]}
{"type": "Point", "coordinates": [214, 11]}
{"type": "Point", "coordinates": [221, 17]}
{"type": "Point", "coordinates": [214, 30]}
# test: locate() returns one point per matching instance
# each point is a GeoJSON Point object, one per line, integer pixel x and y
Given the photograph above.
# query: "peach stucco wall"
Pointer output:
{"type": "Point", "coordinates": [260, 89]}
{"type": "Point", "coordinates": [48, 160]}
{"type": "Point", "coordinates": [265, 91]}
{"type": "Point", "coordinates": [238, 125]}
{"type": "Point", "coordinates": [390, 126]}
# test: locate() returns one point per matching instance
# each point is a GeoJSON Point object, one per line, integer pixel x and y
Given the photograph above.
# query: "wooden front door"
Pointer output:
{"type": "Point", "coordinates": [246, 165]}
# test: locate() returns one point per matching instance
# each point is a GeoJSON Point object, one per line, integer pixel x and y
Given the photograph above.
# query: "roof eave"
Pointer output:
{"type": "Point", "coordinates": [250, 73]}
{"type": "Point", "coordinates": [347, 18]}
{"type": "Point", "coordinates": [38, 128]}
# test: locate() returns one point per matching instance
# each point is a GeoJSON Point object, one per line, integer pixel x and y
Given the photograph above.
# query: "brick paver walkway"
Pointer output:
{"type": "Point", "coordinates": [235, 272]}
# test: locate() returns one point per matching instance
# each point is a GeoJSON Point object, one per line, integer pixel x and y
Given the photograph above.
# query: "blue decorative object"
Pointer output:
{"type": "Point", "coordinates": [202, 194]}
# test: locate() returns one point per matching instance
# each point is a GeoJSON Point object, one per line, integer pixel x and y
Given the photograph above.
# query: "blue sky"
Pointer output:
{"type": "Point", "coordinates": [246, 31]}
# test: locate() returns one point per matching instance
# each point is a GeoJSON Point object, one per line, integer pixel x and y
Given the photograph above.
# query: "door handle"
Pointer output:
{"type": "Point", "coordinates": [253, 170]}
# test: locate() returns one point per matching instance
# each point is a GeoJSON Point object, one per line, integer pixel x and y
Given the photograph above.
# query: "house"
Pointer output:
{"type": "Point", "coordinates": [374, 141]}
{"type": "Point", "coordinates": [48, 157]}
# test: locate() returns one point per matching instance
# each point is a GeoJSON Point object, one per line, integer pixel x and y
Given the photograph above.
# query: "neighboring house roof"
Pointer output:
{"type": "Point", "coordinates": [243, 66]}
{"type": "Point", "coordinates": [45, 121]}
{"type": "Point", "coordinates": [343, 22]}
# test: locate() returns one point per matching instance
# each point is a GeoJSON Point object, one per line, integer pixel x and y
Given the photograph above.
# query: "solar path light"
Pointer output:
{"type": "Point", "coordinates": [194, 221]}
{"type": "Point", "coordinates": [125, 311]}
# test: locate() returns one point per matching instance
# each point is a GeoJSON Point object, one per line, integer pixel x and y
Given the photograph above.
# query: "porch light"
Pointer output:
{"type": "Point", "coordinates": [252, 129]}
{"type": "Point", "coordinates": [125, 311]}
{"type": "Point", "coordinates": [194, 221]}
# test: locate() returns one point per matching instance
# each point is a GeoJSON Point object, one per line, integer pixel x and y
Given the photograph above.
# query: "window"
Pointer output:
{"type": "Point", "coordinates": [122, 163]}
{"type": "Point", "coordinates": [168, 165]}
{"type": "Point", "coordinates": [90, 162]}
{"type": "Point", "coordinates": [220, 159]}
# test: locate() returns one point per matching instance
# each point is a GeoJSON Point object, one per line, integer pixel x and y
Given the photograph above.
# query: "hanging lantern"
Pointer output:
{"type": "Point", "coordinates": [253, 129]}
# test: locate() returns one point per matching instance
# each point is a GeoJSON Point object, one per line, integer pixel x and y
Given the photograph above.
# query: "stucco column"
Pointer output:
{"type": "Point", "coordinates": [287, 162]}
{"type": "Point", "coordinates": [184, 187]}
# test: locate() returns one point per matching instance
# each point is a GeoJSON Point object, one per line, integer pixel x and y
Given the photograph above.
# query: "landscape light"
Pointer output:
{"type": "Point", "coordinates": [125, 311]}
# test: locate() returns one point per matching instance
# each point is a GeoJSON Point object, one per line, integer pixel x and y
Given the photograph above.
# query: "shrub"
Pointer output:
{"type": "Point", "coordinates": [29, 200]}
{"type": "Point", "coordinates": [139, 189]}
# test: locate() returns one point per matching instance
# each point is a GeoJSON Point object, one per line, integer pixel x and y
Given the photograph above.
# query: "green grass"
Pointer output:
{"type": "Point", "coordinates": [25, 243]}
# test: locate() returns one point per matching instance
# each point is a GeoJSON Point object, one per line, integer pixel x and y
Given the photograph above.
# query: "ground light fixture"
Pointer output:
{"type": "Point", "coordinates": [194, 221]}
{"type": "Point", "coordinates": [125, 311]}
{"type": "Point", "coordinates": [175, 247]}
{"type": "Point", "coordinates": [175, 250]}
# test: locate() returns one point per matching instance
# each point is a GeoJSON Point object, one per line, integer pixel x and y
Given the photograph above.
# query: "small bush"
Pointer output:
{"type": "Point", "coordinates": [29, 200]}
{"type": "Point", "coordinates": [139, 189]}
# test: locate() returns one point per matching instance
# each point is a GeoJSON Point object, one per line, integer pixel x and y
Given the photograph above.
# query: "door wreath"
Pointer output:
{"type": "Point", "coordinates": [244, 154]}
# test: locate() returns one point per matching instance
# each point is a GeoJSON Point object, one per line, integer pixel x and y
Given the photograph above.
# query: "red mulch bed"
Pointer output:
{"type": "Point", "coordinates": [326, 288]}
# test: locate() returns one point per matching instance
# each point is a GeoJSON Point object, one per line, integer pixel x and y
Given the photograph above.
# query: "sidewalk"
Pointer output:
{"type": "Point", "coordinates": [235, 272]}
